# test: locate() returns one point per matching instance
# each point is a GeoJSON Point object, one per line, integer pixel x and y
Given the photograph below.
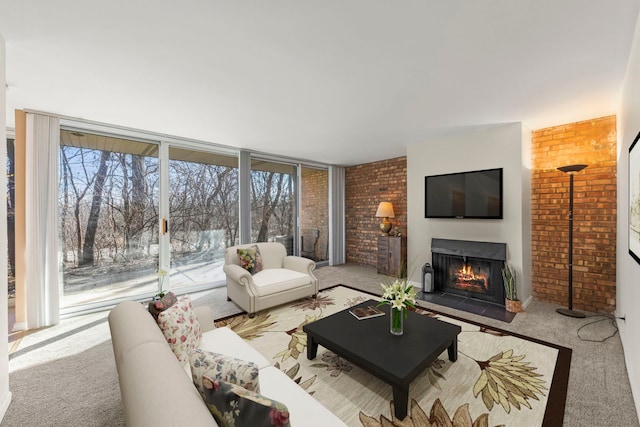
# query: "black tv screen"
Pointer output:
{"type": "Point", "coordinates": [474, 194]}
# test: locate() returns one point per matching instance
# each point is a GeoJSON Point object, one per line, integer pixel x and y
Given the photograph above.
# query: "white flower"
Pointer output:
{"type": "Point", "coordinates": [388, 292]}
{"type": "Point", "coordinates": [161, 275]}
{"type": "Point", "coordinates": [399, 294]}
{"type": "Point", "coordinates": [398, 304]}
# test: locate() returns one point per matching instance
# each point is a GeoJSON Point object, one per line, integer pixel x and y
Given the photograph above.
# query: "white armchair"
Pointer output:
{"type": "Point", "coordinates": [283, 278]}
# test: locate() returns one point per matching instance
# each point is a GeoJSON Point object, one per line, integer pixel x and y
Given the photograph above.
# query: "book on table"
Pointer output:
{"type": "Point", "coordinates": [367, 312]}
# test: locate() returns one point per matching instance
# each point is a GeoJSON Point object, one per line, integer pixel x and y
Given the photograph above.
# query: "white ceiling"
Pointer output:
{"type": "Point", "coordinates": [333, 81]}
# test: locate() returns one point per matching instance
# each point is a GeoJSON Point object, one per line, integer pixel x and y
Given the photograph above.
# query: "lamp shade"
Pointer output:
{"type": "Point", "coordinates": [572, 168]}
{"type": "Point", "coordinates": [385, 210]}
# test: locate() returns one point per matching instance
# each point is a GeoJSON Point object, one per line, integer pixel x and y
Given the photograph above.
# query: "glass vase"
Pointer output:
{"type": "Point", "coordinates": [397, 320]}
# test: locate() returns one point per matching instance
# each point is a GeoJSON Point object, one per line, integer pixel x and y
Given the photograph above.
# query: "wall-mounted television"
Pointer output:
{"type": "Point", "coordinates": [473, 194]}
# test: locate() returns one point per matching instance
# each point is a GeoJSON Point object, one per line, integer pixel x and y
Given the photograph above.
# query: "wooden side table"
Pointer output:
{"type": "Point", "coordinates": [392, 256]}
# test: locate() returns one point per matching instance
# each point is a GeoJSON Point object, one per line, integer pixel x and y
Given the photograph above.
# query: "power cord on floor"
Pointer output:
{"type": "Point", "coordinates": [605, 317]}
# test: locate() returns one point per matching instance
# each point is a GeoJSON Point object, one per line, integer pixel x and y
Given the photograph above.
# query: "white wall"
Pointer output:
{"type": "Point", "coordinates": [627, 270]}
{"type": "Point", "coordinates": [504, 146]}
{"type": "Point", "coordinates": [5, 395]}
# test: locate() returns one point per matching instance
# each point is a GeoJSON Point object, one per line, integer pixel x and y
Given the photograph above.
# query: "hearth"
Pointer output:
{"type": "Point", "coordinates": [469, 269]}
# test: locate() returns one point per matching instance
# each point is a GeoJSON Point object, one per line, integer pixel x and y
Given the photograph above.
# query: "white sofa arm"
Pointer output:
{"type": "Point", "coordinates": [296, 263]}
{"type": "Point", "coordinates": [237, 274]}
{"type": "Point", "coordinates": [205, 317]}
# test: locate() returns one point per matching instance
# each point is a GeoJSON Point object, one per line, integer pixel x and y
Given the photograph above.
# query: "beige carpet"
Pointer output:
{"type": "Point", "coordinates": [498, 379]}
{"type": "Point", "coordinates": [54, 366]}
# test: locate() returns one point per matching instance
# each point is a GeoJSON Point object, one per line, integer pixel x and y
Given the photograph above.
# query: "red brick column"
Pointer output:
{"type": "Point", "coordinates": [591, 142]}
{"type": "Point", "coordinates": [365, 187]}
{"type": "Point", "coordinates": [314, 212]}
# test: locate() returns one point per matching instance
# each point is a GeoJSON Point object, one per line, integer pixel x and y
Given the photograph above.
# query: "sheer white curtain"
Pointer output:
{"type": "Point", "coordinates": [336, 215]}
{"type": "Point", "coordinates": [42, 147]}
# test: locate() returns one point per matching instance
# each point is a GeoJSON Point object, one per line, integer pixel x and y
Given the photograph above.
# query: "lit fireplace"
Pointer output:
{"type": "Point", "coordinates": [470, 269]}
{"type": "Point", "coordinates": [467, 279]}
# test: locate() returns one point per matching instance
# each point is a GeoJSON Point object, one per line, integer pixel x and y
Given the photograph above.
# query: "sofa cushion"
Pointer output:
{"type": "Point", "coordinates": [250, 259]}
{"type": "Point", "coordinates": [227, 342]}
{"type": "Point", "coordinates": [180, 327]}
{"type": "Point", "coordinates": [235, 406]}
{"type": "Point", "coordinates": [156, 306]}
{"type": "Point", "coordinates": [303, 407]}
{"type": "Point", "coordinates": [225, 368]}
{"type": "Point", "coordinates": [273, 280]}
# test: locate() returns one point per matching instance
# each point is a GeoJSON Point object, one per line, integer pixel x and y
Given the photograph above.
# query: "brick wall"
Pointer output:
{"type": "Point", "coordinates": [365, 187]}
{"type": "Point", "coordinates": [591, 142]}
{"type": "Point", "coordinates": [314, 212]}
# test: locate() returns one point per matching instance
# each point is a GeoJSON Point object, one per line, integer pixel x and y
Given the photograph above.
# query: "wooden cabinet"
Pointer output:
{"type": "Point", "coordinates": [392, 256]}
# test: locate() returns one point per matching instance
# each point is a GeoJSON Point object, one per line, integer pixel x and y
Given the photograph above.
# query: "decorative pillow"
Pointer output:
{"type": "Point", "coordinates": [235, 406]}
{"type": "Point", "coordinates": [181, 328]}
{"type": "Point", "coordinates": [250, 259]}
{"type": "Point", "coordinates": [156, 306]}
{"type": "Point", "coordinates": [225, 368]}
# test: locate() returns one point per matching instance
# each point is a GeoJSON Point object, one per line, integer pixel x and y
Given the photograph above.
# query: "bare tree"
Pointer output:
{"type": "Point", "coordinates": [267, 192]}
{"type": "Point", "coordinates": [94, 214]}
{"type": "Point", "coordinates": [109, 208]}
{"type": "Point", "coordinates": [79, 193]}
{"type": "Point", "coordinates": [133, 202]}
{"type": "Point", "coordinates": [138, 201]}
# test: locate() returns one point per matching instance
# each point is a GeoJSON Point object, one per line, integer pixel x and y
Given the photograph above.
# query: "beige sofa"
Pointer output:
{"type": "Point", "coordinates": [156, 390]}
{"type": "Point", "coordinates": [284, 278]}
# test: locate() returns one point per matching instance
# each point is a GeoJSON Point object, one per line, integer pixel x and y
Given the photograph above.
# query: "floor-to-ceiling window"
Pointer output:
{"type": "Point", "coordinates": [108, 210]}
{"type": "Point", "coordinates": [290, 204]}
{"type": "Point", "coordinates": [140, 213]}
{"type": "Point", "coordinates": [314, 213]}
{"type": "Point", "coordinates": [273, 202]}
{"type": "Point", "coordinates": [137, 217]}
{"type": "Point", "coordinates": [203, 217]}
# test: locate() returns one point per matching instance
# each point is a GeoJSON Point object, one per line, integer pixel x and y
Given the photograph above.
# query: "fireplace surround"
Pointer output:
{"type": "Point", "coordinates": [469, 269]}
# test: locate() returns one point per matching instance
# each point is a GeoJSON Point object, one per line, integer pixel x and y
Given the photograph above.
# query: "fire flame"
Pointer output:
{"type": "Point", "coordinates": [466, 277]}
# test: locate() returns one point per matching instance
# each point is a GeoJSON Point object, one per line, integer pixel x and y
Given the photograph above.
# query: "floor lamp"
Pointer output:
{"type": "Point", "coordinates": [571, 170]}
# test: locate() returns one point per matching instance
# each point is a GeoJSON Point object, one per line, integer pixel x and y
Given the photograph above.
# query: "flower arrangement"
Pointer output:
{"type": "Point", "coordinates": [400, 295]}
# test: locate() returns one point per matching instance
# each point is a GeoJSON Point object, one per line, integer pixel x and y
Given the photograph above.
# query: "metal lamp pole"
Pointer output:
{"type": "Point", "coordinates": [571, 170]}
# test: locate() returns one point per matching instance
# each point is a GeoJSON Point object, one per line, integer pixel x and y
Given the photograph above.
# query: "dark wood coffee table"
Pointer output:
{"type": "Point", "coordinates": [397, 360]}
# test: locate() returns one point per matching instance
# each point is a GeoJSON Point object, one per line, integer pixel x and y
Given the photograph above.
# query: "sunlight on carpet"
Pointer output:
{"type": "Point", "coordinates": [70, 337]}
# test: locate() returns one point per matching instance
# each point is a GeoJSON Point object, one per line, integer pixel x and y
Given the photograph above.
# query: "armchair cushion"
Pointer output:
{"type": "Point", "coordinates": [250, 259]}
{"type": "Point", "coordinates": [276, 280]}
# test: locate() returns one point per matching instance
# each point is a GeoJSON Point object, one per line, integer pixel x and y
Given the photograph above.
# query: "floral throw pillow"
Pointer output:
{"type": "Point", "coordinates": [181, 328]}
{"type": "Point", "coordinates": [225, 368]}
{"type": "Point", "coordinates": [250, 259]}
{"type": "Point", "coordinates": [155, 307]}
{"type": "Point", "coordinates": [235, 406]}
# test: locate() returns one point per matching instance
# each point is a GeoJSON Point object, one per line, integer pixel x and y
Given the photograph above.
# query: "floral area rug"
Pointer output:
{"type": "Point", "coordinates": [499, 379]}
